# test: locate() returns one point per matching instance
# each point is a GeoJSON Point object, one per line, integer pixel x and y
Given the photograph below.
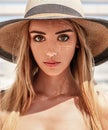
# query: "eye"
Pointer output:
{"type": "Point", "coordinates": [39, 38]}
{"type": "Point", "coordinates": [63, 38]}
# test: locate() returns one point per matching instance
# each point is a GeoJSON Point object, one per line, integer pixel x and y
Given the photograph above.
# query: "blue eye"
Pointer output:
{"type": "Point", "coordinates": [39, 38]}
{"type": "Point", "coordinates": [63, 38]}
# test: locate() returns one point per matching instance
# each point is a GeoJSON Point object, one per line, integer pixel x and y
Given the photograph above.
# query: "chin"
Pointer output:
{"type": "Point", "coordinates": [53, 74]}
{"type": "Point", "coordinates": [56, 72]}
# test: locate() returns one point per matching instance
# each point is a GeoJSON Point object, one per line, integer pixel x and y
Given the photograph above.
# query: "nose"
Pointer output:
{"type": "Point", "coordinates": [51, 54]}
{"type": "Point", "coordinates": [52, 47]}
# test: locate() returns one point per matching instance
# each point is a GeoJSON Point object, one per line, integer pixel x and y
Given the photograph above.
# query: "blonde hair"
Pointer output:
{"type": "Point", "coordinates": [82, 68]}
{"type": "Point", "coordinates": [21, 94]}
{"type": "Point", "coordinates": [8, 120]}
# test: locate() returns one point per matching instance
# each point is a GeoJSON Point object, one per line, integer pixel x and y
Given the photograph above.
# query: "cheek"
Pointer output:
{"type": "Point", "coordinates": [37, 53]}
{"type": "Point", "coordinates": [68, 52]}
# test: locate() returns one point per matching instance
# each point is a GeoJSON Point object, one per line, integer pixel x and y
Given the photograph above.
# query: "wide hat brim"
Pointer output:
{"type": "Point", "coordinates": [96, 35]}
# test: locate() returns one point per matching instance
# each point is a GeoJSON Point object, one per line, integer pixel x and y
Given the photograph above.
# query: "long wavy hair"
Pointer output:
{"type": "Point", "coordinates": [21, 94]}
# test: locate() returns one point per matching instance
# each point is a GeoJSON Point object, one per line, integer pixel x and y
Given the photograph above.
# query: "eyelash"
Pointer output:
{"type": "Point", "coordinates": [61, 38]}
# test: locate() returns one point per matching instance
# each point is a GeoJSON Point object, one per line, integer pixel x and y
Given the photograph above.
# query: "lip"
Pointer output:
{"type": "Point", "coordinates": [51, 63]}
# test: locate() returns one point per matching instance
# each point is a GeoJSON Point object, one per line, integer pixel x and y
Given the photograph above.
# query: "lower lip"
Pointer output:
{"type": "Point", "coordinates": [52, 64]}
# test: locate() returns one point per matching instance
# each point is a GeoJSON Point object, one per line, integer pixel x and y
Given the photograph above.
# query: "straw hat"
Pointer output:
{"type": "Point", "coordinates": [96, 29]}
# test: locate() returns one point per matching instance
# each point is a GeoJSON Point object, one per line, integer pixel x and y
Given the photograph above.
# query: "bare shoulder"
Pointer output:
{"type": "Point", "coordinates": [103, 104]}
{"type": "Point", "coordinates": [103, 98]}
{"type": "Point", "coordinates": [3, 116]}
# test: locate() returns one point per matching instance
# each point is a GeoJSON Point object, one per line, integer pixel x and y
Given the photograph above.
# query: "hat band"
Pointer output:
{"type": "Point", "coordinates": [52, 8]}
{"type": "Point", "coordinates": [7, 56]}
{"type": "Point", "coordinates": [101, 57]}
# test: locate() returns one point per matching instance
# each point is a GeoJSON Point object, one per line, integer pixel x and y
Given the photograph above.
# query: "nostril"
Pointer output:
{"type": "Point", "coordinates": [51, 54]}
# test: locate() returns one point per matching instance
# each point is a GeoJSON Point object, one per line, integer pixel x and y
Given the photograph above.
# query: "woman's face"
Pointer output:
{"type": "Point", "coordinates": [52, 43]}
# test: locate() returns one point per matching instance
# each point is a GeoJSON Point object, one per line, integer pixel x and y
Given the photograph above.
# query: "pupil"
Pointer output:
{"type": "Point", "coordinates": [64, 38]}
{"type": "Point", "coordinates": [39, 38]}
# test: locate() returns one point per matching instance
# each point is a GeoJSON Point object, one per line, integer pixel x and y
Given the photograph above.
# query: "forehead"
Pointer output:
{"type": "Point", "coordinates": [60, 24]}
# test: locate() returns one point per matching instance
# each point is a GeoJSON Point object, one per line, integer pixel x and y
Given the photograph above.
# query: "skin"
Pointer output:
{"type": "Point", "coordinates": [59, 77]}
{"type": "Point", "coordinates": [55, 106]}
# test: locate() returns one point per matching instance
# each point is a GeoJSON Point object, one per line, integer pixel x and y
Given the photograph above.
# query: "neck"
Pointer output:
{"type": "Point", "coordinates": [52, 86]}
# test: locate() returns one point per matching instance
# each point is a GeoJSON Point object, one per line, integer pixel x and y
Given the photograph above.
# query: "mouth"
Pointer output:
{"type": "Point", "coordinates": [51, 63]}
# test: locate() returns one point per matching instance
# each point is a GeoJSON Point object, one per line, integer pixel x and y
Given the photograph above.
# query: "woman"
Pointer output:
{"type": "Point", "coordinates": [55, 49]}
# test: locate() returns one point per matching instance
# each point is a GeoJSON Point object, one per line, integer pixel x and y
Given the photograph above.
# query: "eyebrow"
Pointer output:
{"type": "Point", "coordinates": [63, 31]}
{"type": "Point", "coordinates": [34, 31]}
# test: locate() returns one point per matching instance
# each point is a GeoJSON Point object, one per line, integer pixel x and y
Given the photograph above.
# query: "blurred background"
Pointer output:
{"type": "Point", "coordinates": [10, 9]}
